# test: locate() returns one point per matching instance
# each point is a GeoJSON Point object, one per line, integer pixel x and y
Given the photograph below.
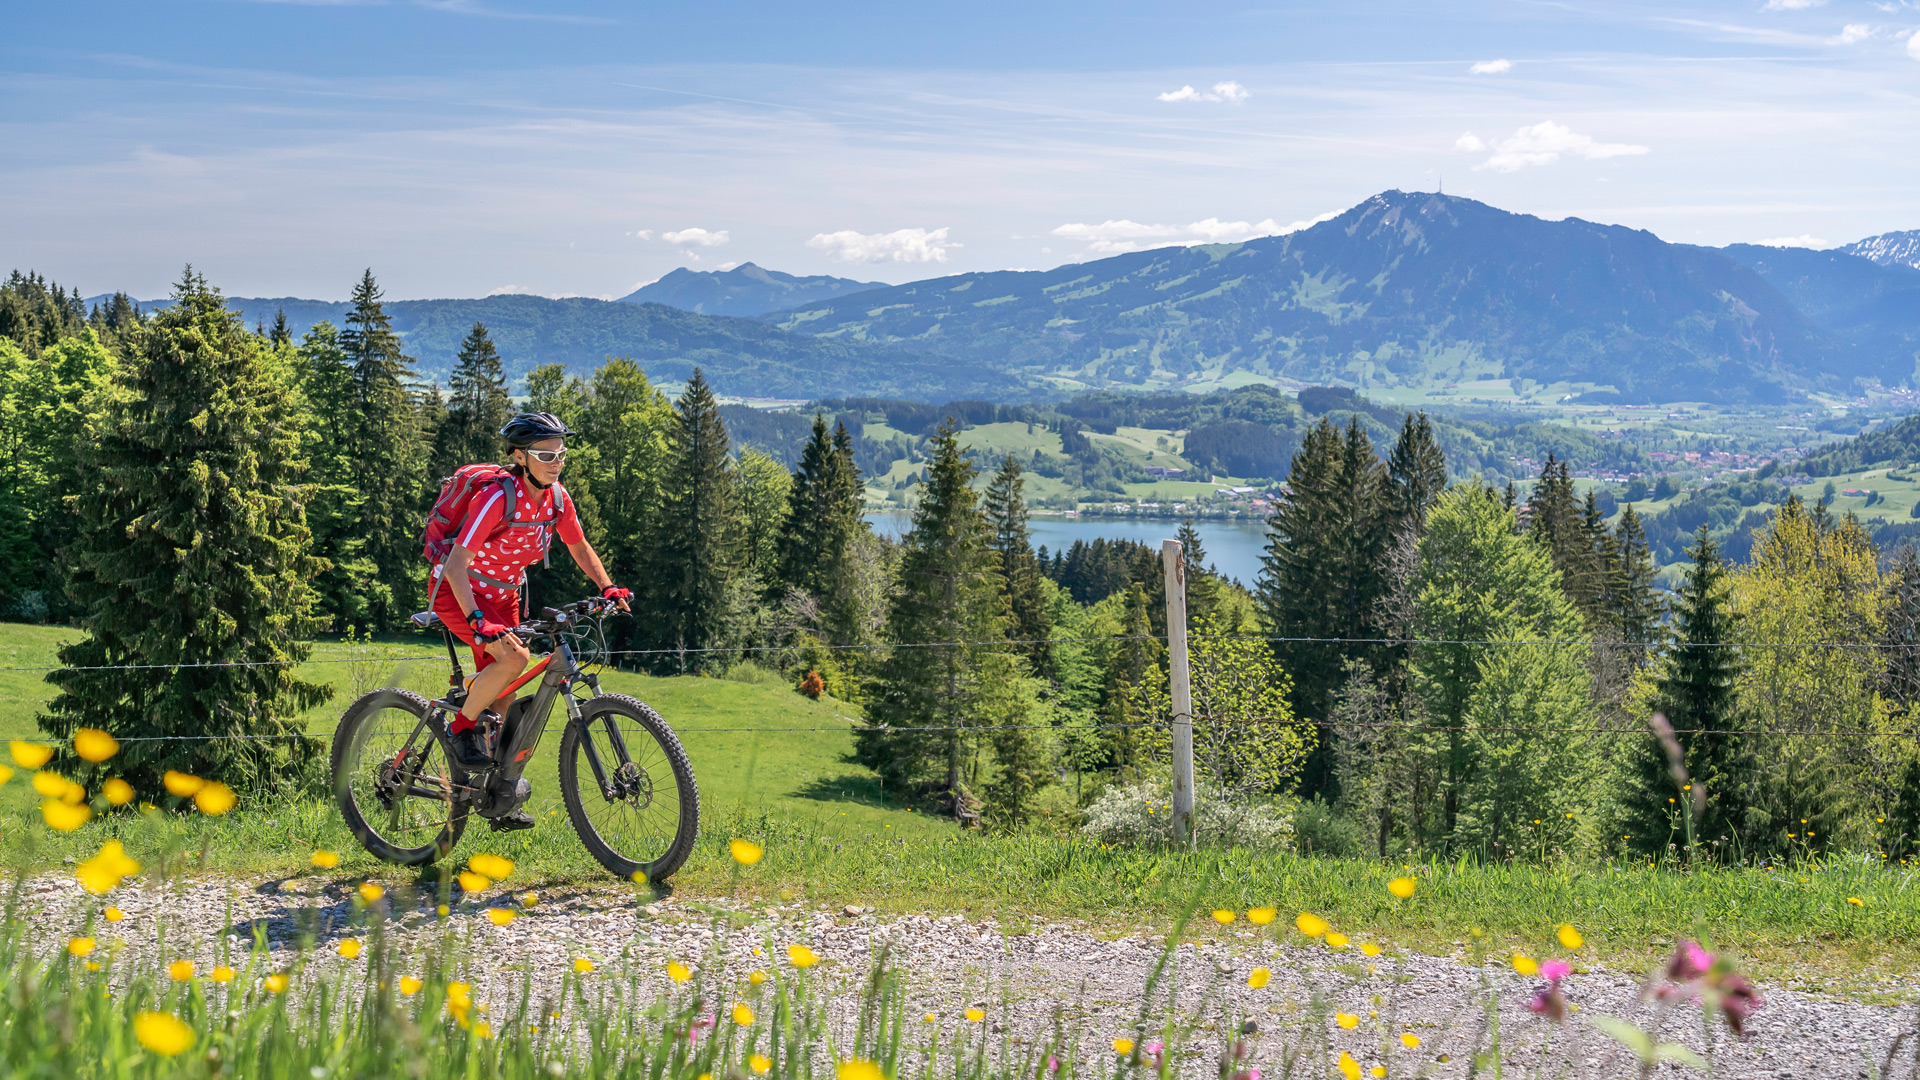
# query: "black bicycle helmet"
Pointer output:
{"type": "Point", "coordinates": [529, 428]}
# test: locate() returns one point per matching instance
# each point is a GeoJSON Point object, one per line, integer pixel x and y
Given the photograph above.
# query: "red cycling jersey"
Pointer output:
{"type": "Point", "coordinates": [502, 551]}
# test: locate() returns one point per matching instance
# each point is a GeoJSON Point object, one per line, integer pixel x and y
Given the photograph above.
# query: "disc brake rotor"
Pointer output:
{"type": "Point", "coordinates": [631, 784]}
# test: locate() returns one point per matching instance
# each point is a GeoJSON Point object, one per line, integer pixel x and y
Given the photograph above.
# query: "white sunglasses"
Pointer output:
{"type": "Point", "coordinates": [547, 457]}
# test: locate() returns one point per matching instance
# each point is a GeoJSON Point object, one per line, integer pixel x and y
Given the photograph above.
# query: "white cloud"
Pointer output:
{"type": "Point", "coordinates": [1230, 92]}
{"type": "Point", "coordinates": [696, 236]}
{"type": "Point", "coordinates": [1852, 33]}
{"type": "Point", "coordinates": [1542, 144]}
{"type": "Point", "coordinates": [644, 234]}
{"type": "Point", "coordinates": [506, 290]}
{"type": "Point", "coordinates": [1913, 45]}
{"type": "Point", "coordinates": [1801, 241]}
{"type": "Point", "coordinates": [1115, 237]}
{"type": "Point", "coordinates": [1791, 5]}
{"type": "Point", "coordinates": [725, 266]}
{"type": "Point", "coordinates": [900, 245]}
{"type": "Point", "coordinates": [1491, 67]}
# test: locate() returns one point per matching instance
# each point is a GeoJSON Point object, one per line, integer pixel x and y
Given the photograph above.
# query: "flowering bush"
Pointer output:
{"type": "Point", "coordinates": [1143, 813]}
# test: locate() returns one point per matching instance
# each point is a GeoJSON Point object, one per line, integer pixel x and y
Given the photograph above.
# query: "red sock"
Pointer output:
{"type": "Point", "coordinates": [461, 722]}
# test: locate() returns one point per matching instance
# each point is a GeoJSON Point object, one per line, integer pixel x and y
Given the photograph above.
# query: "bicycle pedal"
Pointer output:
{"type": "Point", "coordinates": [513, 822]}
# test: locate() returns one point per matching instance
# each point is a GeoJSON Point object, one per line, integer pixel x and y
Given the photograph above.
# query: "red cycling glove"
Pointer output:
{"type": "Point", "coordinates": [484, 630]}
{"type": "Point", "coordinates": [615, 592]}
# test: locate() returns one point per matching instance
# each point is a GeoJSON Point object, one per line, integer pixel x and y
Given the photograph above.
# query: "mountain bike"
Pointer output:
{"type": "Point", "coordinates": [626, 781]}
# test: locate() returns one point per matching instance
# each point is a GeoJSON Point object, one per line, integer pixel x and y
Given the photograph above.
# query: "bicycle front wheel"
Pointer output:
{"type": "Point", "coordinates": [400, 794]}
{"type": "Point", "coordinates": [629, 788]}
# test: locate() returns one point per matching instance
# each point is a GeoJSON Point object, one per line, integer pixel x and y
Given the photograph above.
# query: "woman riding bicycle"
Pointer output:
{"type": "Point", "coordinates": [477, 590]}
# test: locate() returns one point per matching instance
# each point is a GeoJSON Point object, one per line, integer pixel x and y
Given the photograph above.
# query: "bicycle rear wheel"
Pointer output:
{"type": "Point", "coordinates": [395, 781]}
{"type": "Point", "coordinates": [629, 788]}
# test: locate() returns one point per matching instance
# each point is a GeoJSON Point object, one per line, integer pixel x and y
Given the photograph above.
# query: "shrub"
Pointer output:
{"type": "Point", "coordinates": [1143, 814]}
{"type": "Point", "coordinates": [1317, 830]}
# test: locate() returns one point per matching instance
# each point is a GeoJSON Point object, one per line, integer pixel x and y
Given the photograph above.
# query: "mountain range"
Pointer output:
{"type": "Point", "coordinates": [1412, 289]}
{"type": "Point", "coordinates": [1407, 289]}
{"type": "Point", "coordinates": [746, 290]}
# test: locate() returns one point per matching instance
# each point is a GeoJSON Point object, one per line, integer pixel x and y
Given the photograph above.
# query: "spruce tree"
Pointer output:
{"type": "Point", "coordinates": [945, 605]}
{"type": "Point", "coordinates": [281, 334]}
{"type": "Point", "coordinates": [192, 550]}
{"type": "Point", "coordinates": [696, 555]}
{"type": "Point", "coordinates": [1324, 573]}
{"type": "Point", "coordinates": [1416, 473]}
{"type": "Point", "coordinates": [349, 592]}
{"type": "Point", "coordinates": [1637, 599]}
{"type": "Point", "coordinates": [387, 451]}
{"type": "Point", "coordinates": [1203, 585]}
{"type": "Point", "coordinates": [823, 519]}
{"type": "Point", "coordinates": [1027, 619]}
{"type": "Point", "coordinates": [1554, 519]}
{"type": "Point", "coordinates": [1695, 691]}
{"type": "Point", "coordinates": [478, 406]}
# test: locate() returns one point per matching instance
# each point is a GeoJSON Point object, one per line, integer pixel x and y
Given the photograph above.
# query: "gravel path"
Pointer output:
{"type": "Point", "coordinates": [1026, 980]}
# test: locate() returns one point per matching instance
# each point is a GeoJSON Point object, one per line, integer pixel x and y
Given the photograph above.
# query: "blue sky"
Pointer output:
{"type": "Point", "coordinates": [582, 148]}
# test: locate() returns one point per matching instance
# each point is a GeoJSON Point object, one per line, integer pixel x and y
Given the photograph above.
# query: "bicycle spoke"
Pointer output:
{"type": "Point", "coordinates": [399, 779]}
{"type": "Point", "coordinates": [637, 810]}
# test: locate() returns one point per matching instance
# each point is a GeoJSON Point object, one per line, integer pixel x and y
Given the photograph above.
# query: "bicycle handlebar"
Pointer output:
{"type": "Point", "coordinates": [556, 619]}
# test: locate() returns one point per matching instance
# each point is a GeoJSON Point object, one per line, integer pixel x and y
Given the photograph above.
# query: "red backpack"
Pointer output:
{"type": "Point", "coordinates": [456, 497]}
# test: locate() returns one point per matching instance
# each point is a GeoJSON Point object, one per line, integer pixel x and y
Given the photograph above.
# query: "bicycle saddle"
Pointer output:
{"type": "Point", "coordinates": [426, 620]}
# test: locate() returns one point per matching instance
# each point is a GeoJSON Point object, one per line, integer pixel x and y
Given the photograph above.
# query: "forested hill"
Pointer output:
{"type": "Point", "coordinates": [1897, 444]}
{"type": "Point", "coordinates": [740, 356]}
{"type": "Point", "coordinates": [745, 290]}
{"type": "Point", "coordinates": [1403, 289]}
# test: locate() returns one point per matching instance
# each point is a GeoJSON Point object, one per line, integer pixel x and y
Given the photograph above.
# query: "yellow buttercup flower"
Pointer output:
{"type": "Point", "coordinates": [1569, 937]}
{"type": "Point", "coordinates": [1401, 887]}
{"type": "Point", "coordinates": [409, 985]}
{"type": "Point", "coordinates": [759, 1063]}
{"type": "Point", "coordinates": [1123, 1046]}
{"type": "Point", "coordinates": [1223, 916]}
{"type": "Point", "coordinates": [745, 852]}
{"type": "Point", "coordinates": [80, 946]}
{"type": "Point", "coordinates": [678, 971]}
{"type": "Point", "coordinates": [65, 817]}
{"type": "Point", "coordinates": [757, 977]}
{"type": "Point", "coordinates": [1409, 1040]}
{"type": "Point", "coordinates": [50, 784]}
{"type": "Point", "coordinates": [104, 872]}
{"type": "Point", "coordinates": [801, 957]}
{"type": "Point", "coordinates": [276, 983]}
{"type": "Point", "coordinates": [742, 1015]}
{"type": "Point", "coordinates": [500, 916]}
{"type": "Point", "coordinates": [1261, 916]}
{"type": "Point", "coordinates": [349, 948]}
{"type": "Point", "coordinates": [858, 1070]}
{"type": "Point", "coordinates": [324, 859]}
{"type": "Point", "coordinates": [1258, 977]}
{"type": "Point", "coordinates": [1370, 949]}
{"type": "Point", "coordinates": [30, 755]}
{"type": "Point", "coordinates": [180, 971]}
{"type": "Point", "coordinates": [582, 965]}
{"type": "Point", "coordinates": [73, 793]}
{"type": "Point", "coordinates": [370, 893]}
{"type": "Point", "coordinates": [94, 745]}
{"type": "Point", "coordinates": [222, 974]}
{"type": "Point", "coordinates": [1347, 1021]}
{"type": "Point", "coordinates": [1526, 965]}
{"type": "Point", "coordinates": [6, 773]}
{"type": "Point", "coordinates": [114, 914]}
{"type": "Point", "coordinates": [1377, 1071]}
{"type": "Point", "coordinates": [182, 784]}
{"type": "Point", "coordinates": [494, 866]}
{"type": "Point", "coordinates": [442, 910]}
{"type": "Point", "coordinates": [1856, 901]}
{"type": "Point", "coordinates": [214, 798]}
{"type": "Point", "coordinates": [162, 1033]}
{"type": "Point", "coordinates": [528, 899]}
{"type": "Point", "coordinates": [1310, 924]}
{"type": "Point", "coordinates": [974, 1016]}
{"type": "Point", "coordinates": [483, 1030]}
{"type": "Point", "coordinates": [1336, 940]}
{"type": "Point", "coordinates": [1349, 1068]}
{"type": "Point", "coordinates": [117, 791]}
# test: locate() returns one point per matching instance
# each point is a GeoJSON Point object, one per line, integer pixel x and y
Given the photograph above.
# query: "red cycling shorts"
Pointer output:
{"type": "Point", "coordinates": [504, 610]}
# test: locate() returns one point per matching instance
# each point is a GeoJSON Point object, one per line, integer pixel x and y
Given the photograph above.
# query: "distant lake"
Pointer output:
{"type": "Point", "coordinates": [1233, 546]}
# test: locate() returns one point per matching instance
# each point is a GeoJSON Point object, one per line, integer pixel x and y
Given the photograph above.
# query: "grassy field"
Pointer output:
{"type": "Point", "coordinates": [833, 837]}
